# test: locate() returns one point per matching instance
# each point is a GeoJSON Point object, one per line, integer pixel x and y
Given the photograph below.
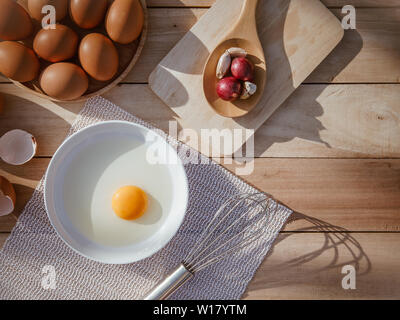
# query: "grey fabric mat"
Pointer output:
{"type": "Point", "coordinates": [34, 244]}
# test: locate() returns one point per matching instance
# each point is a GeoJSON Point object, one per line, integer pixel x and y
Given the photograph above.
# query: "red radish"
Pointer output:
{"type": "Point", "coordinates": [242, 69]}
{"type": "Point", "coordinates": [229, 88]}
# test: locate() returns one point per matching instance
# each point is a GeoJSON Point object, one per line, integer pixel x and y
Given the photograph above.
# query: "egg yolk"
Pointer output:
{"type": "Point", "coordinates": [129, 202]}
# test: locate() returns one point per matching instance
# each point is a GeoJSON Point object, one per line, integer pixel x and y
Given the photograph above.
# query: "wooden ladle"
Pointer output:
{"type": "Point", "coordinates": [243, 35]}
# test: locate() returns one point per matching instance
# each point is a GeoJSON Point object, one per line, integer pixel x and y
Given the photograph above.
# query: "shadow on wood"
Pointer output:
{"type": "Point", "coordinates": [303, 125]}
{"type": "Point", "coordinates": [334, 248]}
{"type": "Point", "coordinates": [35, 115]}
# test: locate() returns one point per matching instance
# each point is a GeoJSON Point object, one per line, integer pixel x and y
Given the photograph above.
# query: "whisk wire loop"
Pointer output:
{"type": "Point", "coordinates": [222, 233]}
{"type": "Point", "coordinates": [253, 209]}
{"type": "Point", "coordinates": [220, 210]}
{"type": "Point", "coordinates": [198, 265]}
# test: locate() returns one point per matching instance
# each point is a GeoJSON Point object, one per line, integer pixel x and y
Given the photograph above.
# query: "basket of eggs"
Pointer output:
{"type": "Point", "coordinates": [92, 45]}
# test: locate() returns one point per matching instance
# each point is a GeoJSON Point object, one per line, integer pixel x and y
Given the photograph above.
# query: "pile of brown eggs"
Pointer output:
{"type": "Point", "coordinates": [65, 58]}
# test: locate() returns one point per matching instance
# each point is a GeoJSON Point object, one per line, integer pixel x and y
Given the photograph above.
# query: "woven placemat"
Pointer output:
{"type": "Point", "coordinates": [34, 245]}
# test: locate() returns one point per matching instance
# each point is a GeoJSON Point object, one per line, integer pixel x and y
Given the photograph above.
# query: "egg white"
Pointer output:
{"type": "Point", "coordinates": [94, 175]}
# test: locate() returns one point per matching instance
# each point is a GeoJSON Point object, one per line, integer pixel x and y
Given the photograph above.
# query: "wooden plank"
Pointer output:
{"type": "Point", "coordinates": [334, 121]}
{"type": "Point", "coordinates": [24, 179]}
{"type": "Point", "coordinates": [362, 3]}
{"type": "Point", "coordinates": [7, 223]}
{"type": "Point", "coordinates": [328, 3]}
{"type": "Point", "coordinates": [166, 28]}
{"type": "Point", "coordinates": [317, 121]}
{"type": "Point", "coordinates": [308, 266]}
{"type": "Point", "coordinates": [3, 238]}
{"type": "Point", "coordinates": [369, 54]}
{"type": "Point", "coordinates": [180, 3]}
{"type": "Point", "coordinates": [354, 60]}
{"type": "Point", "coordinates": [47, 121]}
{"type": "Point", "coordinates": [358, 195]}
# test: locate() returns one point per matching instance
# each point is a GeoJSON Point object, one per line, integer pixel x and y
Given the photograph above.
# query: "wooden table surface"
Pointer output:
{"type": "Point", "coordinates": [331, 153]}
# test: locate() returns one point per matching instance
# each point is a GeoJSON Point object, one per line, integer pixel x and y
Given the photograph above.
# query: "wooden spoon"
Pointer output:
{"type": "Point", "coordinates": [243, 35]}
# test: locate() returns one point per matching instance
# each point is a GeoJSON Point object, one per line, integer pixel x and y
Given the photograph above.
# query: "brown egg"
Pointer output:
{"type": "Point", "coordinates": [124, 20]}
{"type": "Point", "coordinates": [18, 62]}
{"type": "Point", "coordinates": [35, 8]}
{"type": "Point", "coordinates": [98, 56]}
{"type": "Point", "coordinates": [15, 23]}
{"type": "Point", "coordinates": [88, 14]}
{"type": "Point", "coordinates": [57, 44]}
{"type": "Point", "coordinates": [64, 81]}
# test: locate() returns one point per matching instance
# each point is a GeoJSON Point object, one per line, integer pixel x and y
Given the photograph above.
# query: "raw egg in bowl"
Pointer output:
{"type": "Point", "coordinates": [116, 192]}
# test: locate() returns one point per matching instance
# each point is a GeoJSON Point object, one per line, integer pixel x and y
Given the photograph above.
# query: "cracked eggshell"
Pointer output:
{"type": "Point", "coordinates": [7, 197]}
{"type": "Point", "coordinates": [17, 147]}
{"type": "Point", "coordinates": [1, 102]}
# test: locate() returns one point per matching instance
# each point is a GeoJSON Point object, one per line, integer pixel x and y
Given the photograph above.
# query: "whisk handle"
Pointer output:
{"type": "Point", "coordinates": [170, 284]}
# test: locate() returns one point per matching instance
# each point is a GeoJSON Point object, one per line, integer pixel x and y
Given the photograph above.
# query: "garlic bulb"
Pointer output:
{"type": "Point", "coordinates": [235, 52]}
{"type": "Point", "coordinates": [249, 88]}
{"type": "Point", "coordinates": [224, 64]}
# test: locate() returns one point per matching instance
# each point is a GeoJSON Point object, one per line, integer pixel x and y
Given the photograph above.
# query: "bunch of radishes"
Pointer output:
{"type": "Point", "coordinates": [236, 74]}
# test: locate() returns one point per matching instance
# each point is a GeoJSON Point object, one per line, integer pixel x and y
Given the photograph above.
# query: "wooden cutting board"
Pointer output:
{"type": "Point", "coordinates": [296, 35]}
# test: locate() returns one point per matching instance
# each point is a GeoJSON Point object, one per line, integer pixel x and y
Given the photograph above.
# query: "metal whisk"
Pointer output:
{"type": "Point", "coordinates": [237, 223]}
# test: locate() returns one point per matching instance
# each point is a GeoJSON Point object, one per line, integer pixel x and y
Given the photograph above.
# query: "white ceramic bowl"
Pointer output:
{"type": "Point", "coordinates": [61, 219]}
